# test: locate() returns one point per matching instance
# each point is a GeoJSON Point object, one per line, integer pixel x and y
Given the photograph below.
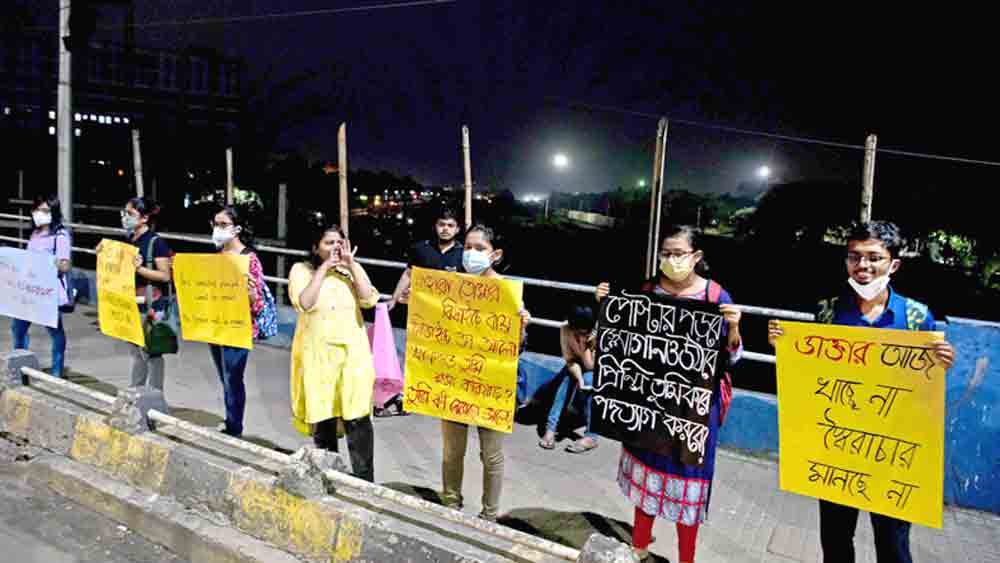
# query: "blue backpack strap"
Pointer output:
{"type": "Point", "coordinates": [825, 310]}
{"type": "Point", "coordinates": [916, 314]}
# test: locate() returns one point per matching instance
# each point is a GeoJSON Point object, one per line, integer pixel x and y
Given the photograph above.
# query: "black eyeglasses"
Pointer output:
{"type": "Point", "coordinates": [854, 258]}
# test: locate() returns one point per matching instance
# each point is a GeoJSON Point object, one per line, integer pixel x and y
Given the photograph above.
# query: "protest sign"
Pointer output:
{"type": "Point", "coordinates": [657, 363]}
{"type": "Point", "coordinates": [462, 343]}
{"type": "Point", "coordinates": [213, 298]}
{"type": "Point", "coordinates": [29, 286]}
{"type": "Point", "coordinates": [117, 311]}
{"type": "Point", "coordinates": [861, 418]}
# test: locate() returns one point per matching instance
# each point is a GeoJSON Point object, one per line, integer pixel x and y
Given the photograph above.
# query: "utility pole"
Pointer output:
{"type": "Point", "coordinates": [656, 197]}
{"type": "Point", "coordinates": [64, 117]}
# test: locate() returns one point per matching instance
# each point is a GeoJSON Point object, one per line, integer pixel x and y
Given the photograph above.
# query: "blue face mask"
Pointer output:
{"type": "Point", "coordinates": [129, 223]}
{"type": "Point", "coordinates": [476, 261]}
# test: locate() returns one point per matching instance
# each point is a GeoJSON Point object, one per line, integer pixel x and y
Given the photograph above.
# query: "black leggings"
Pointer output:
{"type": "Point", "coordinates": [360, 443]}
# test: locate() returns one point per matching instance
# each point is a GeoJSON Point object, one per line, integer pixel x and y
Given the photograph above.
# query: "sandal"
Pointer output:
{"type": "Point", "coordinates": [547, 443]}
{"type": "Point", "coordinates": [393, 407]}
{"type": "Point", "coordinates": [581, 447]}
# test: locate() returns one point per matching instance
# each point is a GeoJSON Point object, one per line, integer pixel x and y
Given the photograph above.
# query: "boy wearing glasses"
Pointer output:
{"type": "Point", "coordinates": [872, 258]}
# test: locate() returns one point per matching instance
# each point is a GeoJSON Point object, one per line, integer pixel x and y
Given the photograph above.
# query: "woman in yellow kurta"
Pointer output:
{"type": "Point", "coordinates": [333, 374]}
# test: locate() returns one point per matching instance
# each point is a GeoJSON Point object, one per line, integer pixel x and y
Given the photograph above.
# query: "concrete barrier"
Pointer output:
{"type": "Point", "coordinates": [217, 485]}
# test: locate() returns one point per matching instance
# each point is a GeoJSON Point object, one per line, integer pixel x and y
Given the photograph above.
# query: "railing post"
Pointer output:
{"type": "Point", "coordinates": [467, 162]}
{"type": "Point", "coordinates": [229, 175]}
{"type": "Point", "coordinates": [137, 163]}
{"type": "Point", "coordinates": [283, 237]}
{"type": "Point", "coordinates": [868, 179]}
{"type": "Point", "coordinates": [20, 208]}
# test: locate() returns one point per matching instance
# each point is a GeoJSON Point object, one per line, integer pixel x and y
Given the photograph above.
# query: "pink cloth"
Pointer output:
{"type": "Point", "coordinates": [388, 375]}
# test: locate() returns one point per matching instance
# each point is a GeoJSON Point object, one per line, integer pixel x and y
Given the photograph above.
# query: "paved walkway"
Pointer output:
{"type": "Point", "coordinates": [561, 496]}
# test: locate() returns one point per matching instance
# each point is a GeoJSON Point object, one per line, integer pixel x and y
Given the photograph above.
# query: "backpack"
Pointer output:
{"type": "Point", "coordinates": [267, 318]}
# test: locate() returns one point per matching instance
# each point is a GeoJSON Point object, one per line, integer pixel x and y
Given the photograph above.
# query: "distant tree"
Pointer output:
{"type": "Point", "coordinates": [802, 213]}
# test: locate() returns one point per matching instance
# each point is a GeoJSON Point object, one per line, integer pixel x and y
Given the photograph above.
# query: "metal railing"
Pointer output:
{"type": "Point", "coordinates": [566, 286]}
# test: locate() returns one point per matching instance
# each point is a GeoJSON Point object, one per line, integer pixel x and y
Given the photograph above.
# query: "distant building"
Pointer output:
{"type": "Point", "coordinates": [187, 104]}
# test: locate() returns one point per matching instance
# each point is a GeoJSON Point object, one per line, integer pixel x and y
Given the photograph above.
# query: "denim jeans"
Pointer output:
{"type": "Point", "coordinates": [58, 334]}
{"type": "Point", "coordinates": [230, 363]}
{"type": "Point", "coordinates": [836, 531]}
{"type": "Point", "coordinates": [564, 396]}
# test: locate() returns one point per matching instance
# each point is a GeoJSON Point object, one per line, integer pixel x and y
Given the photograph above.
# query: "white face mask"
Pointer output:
{"type": "Point", "coordinates": [870, 290]}
{"type": "Point", "coordinates": [476, 261]}
{"type": "Point", "coordinates": [222, 236]}
{"type": "Point", "coordinates": [41, 218]}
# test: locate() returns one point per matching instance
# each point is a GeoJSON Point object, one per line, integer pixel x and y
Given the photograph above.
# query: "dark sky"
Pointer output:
{"type": "Point", "coordinates": [406, 79]}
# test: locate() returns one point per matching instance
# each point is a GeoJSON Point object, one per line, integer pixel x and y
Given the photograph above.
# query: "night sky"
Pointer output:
{"type": "Point", "coordinates": [516, 72]}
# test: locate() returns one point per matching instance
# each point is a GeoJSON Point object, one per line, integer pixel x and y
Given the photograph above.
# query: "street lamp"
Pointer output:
{"type": "Point", "coordinates": [764, 172]}
{"type": "Point", "coordinates": [641, 183]}
{"type": "Point", "coordinates": [560, 161]}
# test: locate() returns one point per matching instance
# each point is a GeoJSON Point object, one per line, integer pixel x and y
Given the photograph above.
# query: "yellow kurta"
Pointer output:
{"type": "Point", "coordinates": [333, 373]}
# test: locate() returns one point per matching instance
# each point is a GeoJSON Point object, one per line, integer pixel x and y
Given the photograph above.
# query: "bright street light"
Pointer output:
{"type": "Point", "coordinates": [764, 172]}
{"type": "Point", "coordinates": [560, 161]}
{"type": "Point", "coordinates": [642, 183]}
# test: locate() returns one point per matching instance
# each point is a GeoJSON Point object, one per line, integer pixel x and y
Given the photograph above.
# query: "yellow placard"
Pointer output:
{"type": "Point", "coordinates": [117, 311]}
{"type": "Point", "coordinates": [463, 335]}
{"type": "Point", "coordinates": [861, 418]}
{"type": "Point", "coordinates": [213, 298]}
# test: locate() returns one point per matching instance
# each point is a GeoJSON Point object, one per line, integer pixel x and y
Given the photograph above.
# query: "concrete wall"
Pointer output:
{"type": "Point", "coordinates": [972, 416]}
{"type": "Point", "coordinates": [216, 484]}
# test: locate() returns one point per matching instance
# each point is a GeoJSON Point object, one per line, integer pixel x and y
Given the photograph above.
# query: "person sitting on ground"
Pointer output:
{"type": "Point", "coordinates": [578, 351]}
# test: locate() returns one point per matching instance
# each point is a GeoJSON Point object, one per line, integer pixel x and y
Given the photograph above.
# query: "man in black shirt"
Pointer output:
{"type": "Point", "coordinates": [443, 253]}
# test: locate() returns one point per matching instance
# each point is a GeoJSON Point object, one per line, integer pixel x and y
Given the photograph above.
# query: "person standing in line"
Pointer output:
{"type": "Point", "coordinates": [332, 370]}
{"type": "Point", "coordinates": [230, 235]}
{"type": "Point", "coordinates": [868, 300]}
{"type": "Point", "coordinates": [50, 237]}
{"type": "Point", "coordinates": [661, 485]}
{"type": "Point", "coordinates": [443, 253]}
{"type": "Point", "coordinates": [479, 258]}
{"type": "Point", "coordinates": [153, 269]}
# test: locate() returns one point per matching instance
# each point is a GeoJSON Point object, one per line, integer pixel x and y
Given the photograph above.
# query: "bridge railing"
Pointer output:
{"type": "Point", "coordinates": [536, 282]}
